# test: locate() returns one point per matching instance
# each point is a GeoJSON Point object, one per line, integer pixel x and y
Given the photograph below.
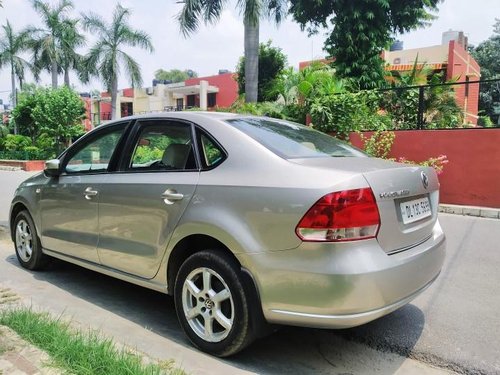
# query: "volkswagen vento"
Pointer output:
{"type": "Point", "coordinates": [246, 221]}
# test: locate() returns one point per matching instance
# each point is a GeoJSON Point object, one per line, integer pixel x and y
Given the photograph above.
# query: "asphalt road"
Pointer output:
{"type": "Point", "coordinates": [454, 325]}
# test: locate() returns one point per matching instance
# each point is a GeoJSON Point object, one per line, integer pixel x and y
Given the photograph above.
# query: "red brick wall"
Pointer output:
{"type": "Point", "coordinates": [228, 87]}
{"type": "Point", "coordinates": [461, 65]}
{"type": "Point", "coordinates": [472, 175]}
{"type": "Point", "coordinates": [25, 165]}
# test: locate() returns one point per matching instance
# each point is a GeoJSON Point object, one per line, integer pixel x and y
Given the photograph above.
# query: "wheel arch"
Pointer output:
{"type": "Point", "coordinates": [194, 243]}
{"type": "Point", "coordinates": [188, 246]}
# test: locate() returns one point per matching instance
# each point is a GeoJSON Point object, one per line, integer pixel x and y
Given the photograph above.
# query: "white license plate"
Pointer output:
{"type": "Point", "coordinates": [415, 210]}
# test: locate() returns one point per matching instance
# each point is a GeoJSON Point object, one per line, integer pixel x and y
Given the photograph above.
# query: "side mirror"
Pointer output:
{"type": "Point", "coordinates": [52, 167]}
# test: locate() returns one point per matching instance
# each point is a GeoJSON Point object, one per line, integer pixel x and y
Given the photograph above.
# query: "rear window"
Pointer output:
{"type": "Point", "coordinates": [292, 141]}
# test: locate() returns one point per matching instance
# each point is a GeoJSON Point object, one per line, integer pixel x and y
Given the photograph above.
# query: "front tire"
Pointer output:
{"type": "Point", "coordinates": [27, 244]}
{"type": "Point", "coordinates": [211, 303]}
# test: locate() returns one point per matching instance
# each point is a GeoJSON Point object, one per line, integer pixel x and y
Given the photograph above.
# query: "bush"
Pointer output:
{"type": "Point", "coordinates": [269, 109]}
{"type": "Point", "coordinates": [16, 142]}
{"type": "Point", "coordinates": [345, 112]}
{"type": "Point", "coordinates": [56, 112]}
{"type": "Point", "coordinates": [485, 121]}
{"type": "Point", "coordinates": [379, 145]}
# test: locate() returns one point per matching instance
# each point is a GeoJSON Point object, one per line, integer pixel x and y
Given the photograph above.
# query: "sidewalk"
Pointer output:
{"type": "Point", "coordinates": [486, 212]}
{"type": "Point", "coordinates": [20, 358]}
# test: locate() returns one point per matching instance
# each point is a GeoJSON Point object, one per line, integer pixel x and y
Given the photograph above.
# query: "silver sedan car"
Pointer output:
{"type": "Point", "coordinates": [248, 222]}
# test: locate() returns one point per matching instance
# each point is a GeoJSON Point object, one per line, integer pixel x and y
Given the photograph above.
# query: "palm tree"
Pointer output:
{"type": "Point", "coordinates": [11, 45]}
{"type": "Point", "coordinates": [210, 11]}
{"type": "Point", "coordinates": [105, 56]}
{"type": "Point", "coordinates": [47, 42]}
{"type": "Point", "coordinates": [70, 40]}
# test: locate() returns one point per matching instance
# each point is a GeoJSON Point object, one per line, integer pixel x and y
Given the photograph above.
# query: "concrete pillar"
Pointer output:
{"type": "Point", "coordinates": [118, 109]}
{"type": "Point", "coordinates": [203, 95]}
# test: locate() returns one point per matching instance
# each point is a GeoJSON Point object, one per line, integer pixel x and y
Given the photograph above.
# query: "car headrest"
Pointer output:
{"type": "Point", "coordinates": [176, 155]}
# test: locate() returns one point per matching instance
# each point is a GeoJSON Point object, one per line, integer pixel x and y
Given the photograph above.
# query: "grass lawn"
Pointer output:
{"type": "Point", "coordinates": [78, 352]}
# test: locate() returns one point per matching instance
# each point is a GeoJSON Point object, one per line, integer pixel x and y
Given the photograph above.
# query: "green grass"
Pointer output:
{"type": "Point", "coordinates": [78, 352]}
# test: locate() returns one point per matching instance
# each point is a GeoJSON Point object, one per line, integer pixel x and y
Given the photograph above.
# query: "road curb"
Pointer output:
{"type": "Point", "coordinates": [489, 213]}
{"type": "Point", "coordinates": [9, 169]}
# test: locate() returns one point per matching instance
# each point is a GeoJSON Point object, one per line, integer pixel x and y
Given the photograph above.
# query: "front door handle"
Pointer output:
{"type": "Point", "coordinates": [89, 193]}
{"type": "Point", "coordinates": [169, 196]}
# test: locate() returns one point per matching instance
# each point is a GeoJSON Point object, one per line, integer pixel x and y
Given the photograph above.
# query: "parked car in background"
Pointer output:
{"type": "Point", "coordinates": [245, 221]}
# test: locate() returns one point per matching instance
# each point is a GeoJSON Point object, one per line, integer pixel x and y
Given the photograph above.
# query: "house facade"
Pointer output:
{"type": "Point", "coordinates": [219, 90]}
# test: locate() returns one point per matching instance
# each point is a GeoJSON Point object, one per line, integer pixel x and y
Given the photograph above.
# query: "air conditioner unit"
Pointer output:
{"type": "Point", "coordinates": [150, 90]}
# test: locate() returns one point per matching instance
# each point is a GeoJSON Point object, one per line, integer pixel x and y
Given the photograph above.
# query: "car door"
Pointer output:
{"type": "Point", "coordinates": [141, 204]}
{"type": "Point", "coordinates": [69, 202]}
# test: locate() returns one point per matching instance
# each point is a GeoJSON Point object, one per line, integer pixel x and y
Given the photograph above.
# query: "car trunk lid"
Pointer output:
{"type": "Point", "coordinates": [407, 197]}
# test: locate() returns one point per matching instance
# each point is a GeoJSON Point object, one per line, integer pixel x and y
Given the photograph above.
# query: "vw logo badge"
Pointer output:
{"type": "Point", "coordinates": [425, 179]}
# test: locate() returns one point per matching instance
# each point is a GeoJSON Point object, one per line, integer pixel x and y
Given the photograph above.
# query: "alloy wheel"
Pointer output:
{"type": "Point", "coordinates": [24, 240]}
{"type": "Point", "coordinates": [208, 304]}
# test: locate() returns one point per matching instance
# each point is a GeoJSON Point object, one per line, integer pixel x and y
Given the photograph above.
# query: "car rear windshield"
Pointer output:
{"type": "Point", "coordinates": [291, 141]}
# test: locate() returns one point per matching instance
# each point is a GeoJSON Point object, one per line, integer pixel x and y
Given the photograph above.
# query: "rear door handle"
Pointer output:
{"type": "Point", "coordinates": [89, 193]}
{"type": "Point", "coordinates": [169, 196]}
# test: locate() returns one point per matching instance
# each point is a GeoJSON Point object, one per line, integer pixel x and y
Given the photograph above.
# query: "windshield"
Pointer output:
{"type": "Point", "coordinates": [291, 141]}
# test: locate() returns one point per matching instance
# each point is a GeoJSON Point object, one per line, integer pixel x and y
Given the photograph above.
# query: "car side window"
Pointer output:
{"type": "Point", "coordinates": [163, 145]}
{"type": "Point", "coordinates": [95, 155]}
{"type": "Point", "coordinates": [211, 154]}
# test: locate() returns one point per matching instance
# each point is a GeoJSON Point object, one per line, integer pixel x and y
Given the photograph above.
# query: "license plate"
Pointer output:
{"type": "Point", "coordinates": [415, 210]}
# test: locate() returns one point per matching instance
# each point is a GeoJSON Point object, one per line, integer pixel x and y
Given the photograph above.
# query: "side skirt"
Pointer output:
{"type": "Point", "coordinates": [150, 284]}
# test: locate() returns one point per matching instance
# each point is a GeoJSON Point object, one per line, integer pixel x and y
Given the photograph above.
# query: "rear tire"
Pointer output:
{"type": "Point", "coordinates": [27, 244]}
{"type": "Point", "coordinates": [211, 303]}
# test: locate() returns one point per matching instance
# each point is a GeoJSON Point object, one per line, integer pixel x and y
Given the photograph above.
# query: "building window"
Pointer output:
{"type": "Point", "coordinates": [467, 79]}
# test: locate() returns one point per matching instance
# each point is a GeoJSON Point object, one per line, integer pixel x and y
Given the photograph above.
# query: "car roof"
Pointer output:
{"type": "Point", "coordinates": [183, 115]}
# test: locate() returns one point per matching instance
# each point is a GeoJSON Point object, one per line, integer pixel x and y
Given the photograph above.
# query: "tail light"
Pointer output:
{"type": "Point", "coordinates": [341, 216]}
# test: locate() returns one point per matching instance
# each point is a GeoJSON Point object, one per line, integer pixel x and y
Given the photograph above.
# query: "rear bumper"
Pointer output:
{"type": "Point", "coordinates": [342, 285]}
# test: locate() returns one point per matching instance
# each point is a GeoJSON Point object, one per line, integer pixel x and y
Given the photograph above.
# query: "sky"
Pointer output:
{"type": "Point", "coordinates": [220, 46]}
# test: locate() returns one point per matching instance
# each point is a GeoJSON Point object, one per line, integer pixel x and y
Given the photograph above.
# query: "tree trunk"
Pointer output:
{"type": "Point", "coordinates": [114, 97]}
{"type": "Point", "coordinates": [14, 93]}
{"type": "Point", "coordinates": [66, 77]}
{"type": "Point", "coordinates": [251, 61]}
{"type": "Point", "coordinates": [53, 70]}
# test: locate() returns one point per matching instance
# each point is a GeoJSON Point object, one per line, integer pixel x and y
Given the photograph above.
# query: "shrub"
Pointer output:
{"type": "Point", "coordinates": [55, 112]}
{"type": "Point", "coordinates": [16, 142]}
{"type": "Point", "coordinates": [379, 145]}
{"type": "Point", "coordinates": [345, 112]}
{"type": "Point", "coordinates": [485, 121]}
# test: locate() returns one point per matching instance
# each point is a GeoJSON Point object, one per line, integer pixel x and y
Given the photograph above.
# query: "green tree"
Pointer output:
{"type": "Point", "coordinates": [360, 30]}
{"type": "Point", "coordinates": [210, 11]}
{"type": "Point", "coordinates": [175, 75]}
{"type": "Point", "coordinates": [107, 54]}
{"type": "Point", "coordinates": [272, 62]}
{"type": "Point", "coordinates": [487, 55]}
{"type": "Point", "coordinates": [53, 113]}
{"type": "Point", "coordinates": [12, 44]}
{"type": "Point", "coordinates": [71, 39]}
{"type": "Point", "coordinates": [47, 42]}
